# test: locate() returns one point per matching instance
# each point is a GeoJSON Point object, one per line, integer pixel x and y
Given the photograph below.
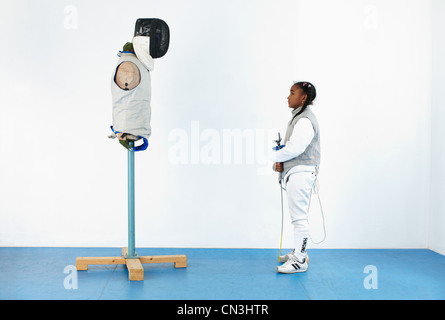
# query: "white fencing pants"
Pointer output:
{"type": "Point", "coordinates": [298, 190]}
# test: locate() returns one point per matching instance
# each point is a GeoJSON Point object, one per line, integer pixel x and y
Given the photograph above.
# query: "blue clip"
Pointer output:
{"type": "Point", "coordinates": [143, 146]}
{"type": "Point", "coordinates": [276, 148]}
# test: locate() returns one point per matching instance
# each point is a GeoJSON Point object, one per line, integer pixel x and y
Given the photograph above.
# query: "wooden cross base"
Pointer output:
{"type": "Point", "coordinates": [134, 266]}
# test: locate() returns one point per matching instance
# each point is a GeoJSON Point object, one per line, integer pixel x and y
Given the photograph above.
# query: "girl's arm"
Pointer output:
{"type": "Point", "coordinates": [301, 138]}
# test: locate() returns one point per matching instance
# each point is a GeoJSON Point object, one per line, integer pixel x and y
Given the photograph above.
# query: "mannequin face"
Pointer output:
{"type": "Point", "coordinates": [297, 97]}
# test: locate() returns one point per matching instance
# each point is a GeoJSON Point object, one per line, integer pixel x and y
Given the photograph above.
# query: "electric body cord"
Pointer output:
{"type": "Point", "coordinates": [282, 219]}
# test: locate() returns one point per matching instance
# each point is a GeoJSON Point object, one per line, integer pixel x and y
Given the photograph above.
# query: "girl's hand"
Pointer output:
{"type": "Point", "coordinates": [278, 167]}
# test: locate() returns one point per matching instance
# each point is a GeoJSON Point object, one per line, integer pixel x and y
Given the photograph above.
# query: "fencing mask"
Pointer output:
{"type": "Point", "coordinates": [151, 40]}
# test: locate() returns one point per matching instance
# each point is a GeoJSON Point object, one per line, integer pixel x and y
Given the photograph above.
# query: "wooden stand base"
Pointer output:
{"type": "Point", "coordinates": [134, 266]}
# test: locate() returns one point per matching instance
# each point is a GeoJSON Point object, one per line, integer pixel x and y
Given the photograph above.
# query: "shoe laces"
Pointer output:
{"type": "Point", "coordinates": [293, 258]}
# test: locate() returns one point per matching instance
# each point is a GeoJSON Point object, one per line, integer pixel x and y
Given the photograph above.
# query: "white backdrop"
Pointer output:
{"type": "Point", "coordinates": [219, 99]}
{"type": "Point", "coordinates": [437, 217]}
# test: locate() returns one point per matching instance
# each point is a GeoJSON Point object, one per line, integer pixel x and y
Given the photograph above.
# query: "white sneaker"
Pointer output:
{"type": "Point", "coordinates": [284, 258]}
{"type": "Point", "coordinates": [292, 265]}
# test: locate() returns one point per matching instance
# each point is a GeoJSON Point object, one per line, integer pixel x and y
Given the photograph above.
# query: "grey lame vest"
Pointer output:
{"type": "Point", "coordinates": [311, 156]}
{"type": "Point", "coordinates": [132, 108]}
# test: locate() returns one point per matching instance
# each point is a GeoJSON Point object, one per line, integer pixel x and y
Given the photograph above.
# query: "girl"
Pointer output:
{"type": "Point", "coordinates": [297, 162]}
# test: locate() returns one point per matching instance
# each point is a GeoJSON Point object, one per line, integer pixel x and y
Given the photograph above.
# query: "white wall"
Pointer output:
{"type": "Point", "coordinates": [230, 66]}
{"type": "Point", "coordinates": [437, 218]}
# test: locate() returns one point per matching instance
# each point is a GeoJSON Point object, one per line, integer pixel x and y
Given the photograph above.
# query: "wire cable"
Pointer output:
{"type": "Point", "coordinates": [282, 221]}
{"type": "Point", "coordinates": [316, 187]}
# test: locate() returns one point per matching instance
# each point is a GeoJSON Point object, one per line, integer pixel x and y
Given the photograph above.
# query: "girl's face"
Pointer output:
{"type": "Point", "coordinates": [297, 97]}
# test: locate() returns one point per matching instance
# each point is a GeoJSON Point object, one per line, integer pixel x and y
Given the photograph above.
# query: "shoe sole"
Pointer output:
{"type": "Point", "coordinates": [290, 272]}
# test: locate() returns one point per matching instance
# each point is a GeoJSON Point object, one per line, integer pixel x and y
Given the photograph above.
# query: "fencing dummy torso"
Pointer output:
{"type": "Point", "coordinates": [132, 107]}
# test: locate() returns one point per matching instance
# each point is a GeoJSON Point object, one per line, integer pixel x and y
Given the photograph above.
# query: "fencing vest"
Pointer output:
{"type": "Point", "coordinates": [311, 156]}
{"type": "Point", "coordinates": [132, 108]}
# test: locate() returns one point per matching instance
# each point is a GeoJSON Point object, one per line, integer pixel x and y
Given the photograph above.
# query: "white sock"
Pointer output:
{"type": "Point", "coordinates": [301, 239]}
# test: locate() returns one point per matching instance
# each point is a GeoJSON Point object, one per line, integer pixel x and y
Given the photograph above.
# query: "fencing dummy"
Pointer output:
{"type": "Point", "coordinates": [131, 82]}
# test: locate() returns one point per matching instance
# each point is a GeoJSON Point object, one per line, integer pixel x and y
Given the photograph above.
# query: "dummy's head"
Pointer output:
{"type": "Point", "coordinates": [302, 94]}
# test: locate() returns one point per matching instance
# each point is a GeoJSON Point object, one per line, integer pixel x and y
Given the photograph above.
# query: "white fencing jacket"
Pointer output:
{"type": "Point", "coordinates": [301, 138]}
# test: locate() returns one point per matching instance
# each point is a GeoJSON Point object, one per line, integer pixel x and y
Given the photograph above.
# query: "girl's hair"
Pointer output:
{"type": "Point", "coordinates": [309, 89]}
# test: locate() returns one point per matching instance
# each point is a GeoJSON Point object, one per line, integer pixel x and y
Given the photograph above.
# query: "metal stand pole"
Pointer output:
{"type": "Point", "coordinates": [131, 205]}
